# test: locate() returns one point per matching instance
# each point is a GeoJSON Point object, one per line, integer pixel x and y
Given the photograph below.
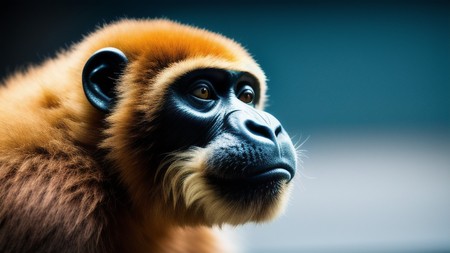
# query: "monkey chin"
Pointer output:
{"type": "Point", "coordinates": [213, 201]}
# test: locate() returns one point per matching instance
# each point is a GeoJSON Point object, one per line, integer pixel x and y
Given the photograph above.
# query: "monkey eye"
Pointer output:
{"type": "Point", "coordinates": [202, 90]}
{"type": "Point", "coordinates": [247, 95]}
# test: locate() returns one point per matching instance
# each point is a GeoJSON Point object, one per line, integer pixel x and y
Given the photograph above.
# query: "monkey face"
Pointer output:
{"type": "Point", "coordinates": [189, 140]}
{"type": "Point", "coordinates": [221, 145]}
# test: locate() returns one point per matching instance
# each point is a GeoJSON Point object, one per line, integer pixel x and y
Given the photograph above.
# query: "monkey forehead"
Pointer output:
{"type": "Point", "coordinates": [168, 44]}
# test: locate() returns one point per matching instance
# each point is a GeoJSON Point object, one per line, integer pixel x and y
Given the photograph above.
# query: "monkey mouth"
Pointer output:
{"type": "Point", "coordinates": [257, 183]}
{"type": "Point", "coordinates": [256, 175]}
{"type": "Point", "coordinates": [273, 174]}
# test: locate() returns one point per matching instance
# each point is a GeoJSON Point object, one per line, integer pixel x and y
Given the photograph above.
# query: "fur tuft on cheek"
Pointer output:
{"type": "Point", "coordinates": [183, 181]}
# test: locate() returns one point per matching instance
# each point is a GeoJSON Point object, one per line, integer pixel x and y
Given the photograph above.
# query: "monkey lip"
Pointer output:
{"type": "Point", "coordinates": [278, 172]}
{"type": "Point", "coordinates": [258, 185]}
{"type": "Point", "coordinates": [261, 176]}
{"type": "Point", "coordinates": [274, 174]}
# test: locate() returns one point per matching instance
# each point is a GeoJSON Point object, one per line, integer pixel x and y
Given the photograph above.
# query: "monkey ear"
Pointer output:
{"type": "Point", "coordinates": [100, 76]}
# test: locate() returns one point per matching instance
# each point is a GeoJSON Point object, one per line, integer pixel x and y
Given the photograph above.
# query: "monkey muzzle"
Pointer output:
{"type": "Point", "coordinates": [254, 149]}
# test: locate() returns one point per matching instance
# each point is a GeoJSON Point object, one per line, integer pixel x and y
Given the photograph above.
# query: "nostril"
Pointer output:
{"type": "Point", "coordinates": [278, 130]}
{"type": "Point", "coordinates": [259, 130]}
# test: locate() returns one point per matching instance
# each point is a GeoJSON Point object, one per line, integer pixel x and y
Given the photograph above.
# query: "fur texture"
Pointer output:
{"type": "Point", "coordinates": [73, 180]}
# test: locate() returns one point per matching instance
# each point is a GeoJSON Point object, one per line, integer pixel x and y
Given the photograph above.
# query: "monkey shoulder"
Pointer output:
{"type": "Point", "coordinates": [57, 202]}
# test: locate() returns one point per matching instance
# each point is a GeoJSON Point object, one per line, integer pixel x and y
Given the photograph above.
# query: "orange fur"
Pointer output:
{"type": "Point", "coordinates": [70, 180]}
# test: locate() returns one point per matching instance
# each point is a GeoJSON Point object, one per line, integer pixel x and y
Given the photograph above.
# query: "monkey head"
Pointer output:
{"type": "Point", "coordinates": [185, 127]}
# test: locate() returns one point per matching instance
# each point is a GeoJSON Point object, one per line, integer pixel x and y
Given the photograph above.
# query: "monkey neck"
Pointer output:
{"type": "Point", "coordinates": [141, 236]}
{"type": "Point", "coordinates": [152, 231]}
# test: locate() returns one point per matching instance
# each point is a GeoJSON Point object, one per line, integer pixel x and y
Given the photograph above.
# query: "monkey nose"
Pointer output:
{"type": "Point", "coordinates": [256, 126]}
{"type": "Point", "coordinates": [261, 130]}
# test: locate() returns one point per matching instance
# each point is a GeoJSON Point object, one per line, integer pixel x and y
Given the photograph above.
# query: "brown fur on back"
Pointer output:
{"type": "Point", "coordinates": [53, 199]}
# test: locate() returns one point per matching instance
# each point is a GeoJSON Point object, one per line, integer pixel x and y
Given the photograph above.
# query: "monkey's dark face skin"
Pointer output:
{"type": "Point", "coordinates": [250, 154]}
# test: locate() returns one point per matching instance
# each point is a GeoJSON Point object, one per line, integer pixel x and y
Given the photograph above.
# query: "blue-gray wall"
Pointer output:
{"type": "Point", "coordinates": [331, 64]}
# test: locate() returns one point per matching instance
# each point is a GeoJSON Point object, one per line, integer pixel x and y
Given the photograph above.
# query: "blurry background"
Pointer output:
{"type": "Point", "coordinates": [366, 83]}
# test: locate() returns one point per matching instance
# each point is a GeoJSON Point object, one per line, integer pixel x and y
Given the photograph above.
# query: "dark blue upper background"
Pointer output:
{"type": "Point", "coordinates": [348, 65]}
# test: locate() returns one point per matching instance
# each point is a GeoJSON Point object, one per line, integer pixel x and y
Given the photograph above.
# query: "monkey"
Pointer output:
{"type": "Point", "coordinates": [142, 137]}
